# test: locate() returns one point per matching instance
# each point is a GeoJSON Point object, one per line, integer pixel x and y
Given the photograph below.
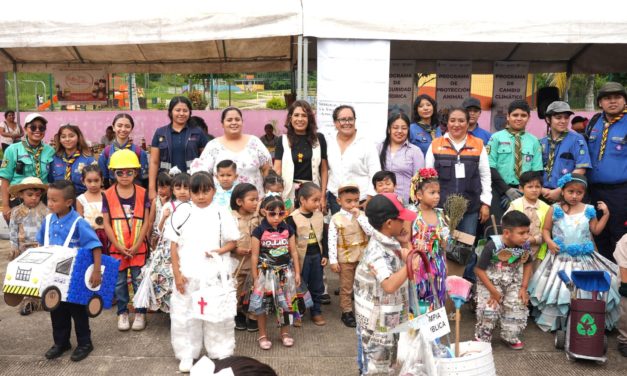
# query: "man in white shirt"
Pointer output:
{"type": "Point", "coordinates": [351, 158]}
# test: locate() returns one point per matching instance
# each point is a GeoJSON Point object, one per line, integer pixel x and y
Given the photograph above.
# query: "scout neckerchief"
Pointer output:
{"type": "Point", "coordinates": [552, 146]}
{"type": "Point", "coordinates": [429, 128]}
{"type": "Point", "coordinates": [69, 162]}
{"type": "Point", "coordinates": [606, 130]}
{"type": "Point", "coordinates": [517, 151]}
{"type": "Point", "coordinates": [116, 146]}
{"type": "Point", "coordinates": [35, 153]}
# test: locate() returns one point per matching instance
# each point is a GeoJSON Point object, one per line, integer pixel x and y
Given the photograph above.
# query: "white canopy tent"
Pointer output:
{"type": "Point", "coordinates": [150, 36]}
{"type": "Point", "coordinates": [575, 37]}
{"type": "Point", "coordinates": [245, 36]}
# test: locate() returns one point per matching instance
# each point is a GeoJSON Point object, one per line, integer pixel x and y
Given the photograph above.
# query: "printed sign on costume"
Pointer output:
{"type": "Point", "coordinates": [453, 82]}
{"type": "Point", "coordinates": [356, 73]}
{"type": "Point", "coordinates": [401, 91]}
{"type": "Point", "coordinates": [510, 83]}
{"type": "Point", "coordinates": [76, 86]}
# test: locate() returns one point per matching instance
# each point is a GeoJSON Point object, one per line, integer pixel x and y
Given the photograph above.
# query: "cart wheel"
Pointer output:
{"type": "Point", "coordinates": [13, 300]}
{"type": "Point", "coordinates": [560, 339]}
{"type": "Point", "coordinates": [51, 298]}
{"type": "Point", "coordinates": [94, 306]}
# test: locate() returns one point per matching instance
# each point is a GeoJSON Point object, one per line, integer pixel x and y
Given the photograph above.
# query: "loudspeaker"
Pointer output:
{"type": "Point", "coordinates": [546, 96]}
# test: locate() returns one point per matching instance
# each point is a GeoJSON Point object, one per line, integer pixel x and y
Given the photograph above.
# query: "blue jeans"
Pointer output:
{"type": "Point", "coordinates": [311, 275]}
{"type": "Point", "coordinates": [469, 225]}
{"type": "Point", "coordinates": [121, 289]}
{"type": "Point", "coordinates": [332, 203]}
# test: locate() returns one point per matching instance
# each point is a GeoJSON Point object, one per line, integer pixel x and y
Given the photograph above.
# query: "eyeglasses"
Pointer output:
{"type": "Point", "coordinates": [35, 128]}
{"type": "Point", "coordinates": [346, 120]}
{"type": "Point", "coordinates": [276, 214]}
{"type": "Point", "coordinates": [120, 173]}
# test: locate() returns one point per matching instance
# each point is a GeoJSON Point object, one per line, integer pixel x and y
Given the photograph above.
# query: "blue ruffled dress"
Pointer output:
{"type": "Point", "coordinates": [548, 294]}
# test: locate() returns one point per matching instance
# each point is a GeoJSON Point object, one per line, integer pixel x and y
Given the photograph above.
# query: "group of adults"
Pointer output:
{"type": "Point", "coordinates": [469, 160]}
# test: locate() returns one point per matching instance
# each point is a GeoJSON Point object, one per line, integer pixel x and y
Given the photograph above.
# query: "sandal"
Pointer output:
{"type": "Point", "coordinates": [287, 340]}
{"type": "Point", "coordinates": [264, 343]}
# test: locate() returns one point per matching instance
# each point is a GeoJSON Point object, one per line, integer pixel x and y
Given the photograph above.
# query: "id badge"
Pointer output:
{"type": "Point", "coordinates": [460, 172]}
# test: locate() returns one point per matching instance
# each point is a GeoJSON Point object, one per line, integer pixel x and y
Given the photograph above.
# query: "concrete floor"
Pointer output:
{"type": "Point", "coordinates": [328, 350]}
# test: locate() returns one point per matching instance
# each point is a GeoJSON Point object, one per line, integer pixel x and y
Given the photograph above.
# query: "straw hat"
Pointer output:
{"type": "Point", "coordinates": [30, 182]}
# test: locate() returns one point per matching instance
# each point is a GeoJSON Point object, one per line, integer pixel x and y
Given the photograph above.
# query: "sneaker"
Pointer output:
{"type": "Point", "coordinates": [240, 322]}
{"type": "Point", "coordinates": [515, 344]}
{"type": "Point", "coordinates": [140, 321]}
{"type": "Point", "coordinates": [325, 299]}
{"type": "Point", "coordinates": [123, 323]}
{"type": "Point", "coordinates": [348, 318]}
{"type": "Point", "coordinates": [251, 325]}
{"type": "Point", "coordinates": [186, 365]}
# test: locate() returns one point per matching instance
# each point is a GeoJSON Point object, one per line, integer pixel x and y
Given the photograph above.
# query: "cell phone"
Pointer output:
{"type": "Point", "coordinates": [19, 167]}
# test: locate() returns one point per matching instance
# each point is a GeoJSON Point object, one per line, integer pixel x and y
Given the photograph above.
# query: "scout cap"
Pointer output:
{"type": "Point", "coordinates": [29, 119]}
{"type": "Point", "coordinates": [558, 107]}
{"type": "Point", "coordinates": [388, 206]}
{"type": "Point", "coordinates": [471, 102]}
{"type": "Point", "coordinates": [611, 88]}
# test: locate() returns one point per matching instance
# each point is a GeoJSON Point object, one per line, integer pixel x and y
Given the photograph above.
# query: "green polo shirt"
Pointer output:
{"type": "Point", "coordinates": [501, 155]}
{"type": "Point", "coordinates": [16, 152]}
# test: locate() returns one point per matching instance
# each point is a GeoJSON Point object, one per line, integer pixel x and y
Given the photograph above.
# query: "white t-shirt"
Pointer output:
{"type": "Point", "coordinates": [201, 230]}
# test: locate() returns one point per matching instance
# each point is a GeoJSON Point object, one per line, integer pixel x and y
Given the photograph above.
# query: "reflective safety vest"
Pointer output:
{"type": "Point", "coordinates": [127, 230]}
{"type": "Point", "coordinates": [446, 157]}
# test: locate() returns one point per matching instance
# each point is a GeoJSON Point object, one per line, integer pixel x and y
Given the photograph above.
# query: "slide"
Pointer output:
{"type": "Point", "coordinates": [44, 106]}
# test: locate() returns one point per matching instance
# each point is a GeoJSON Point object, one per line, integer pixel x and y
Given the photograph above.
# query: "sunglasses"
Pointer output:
{"type": "Point", "coordinates": [120, 173]}
{"type": "Point", "coordinates": [35, 128]}
{"type": "Point", "coordinates": [276, 214]}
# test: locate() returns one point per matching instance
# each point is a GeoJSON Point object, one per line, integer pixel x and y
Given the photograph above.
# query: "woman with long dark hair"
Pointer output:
{"type": "Point", "coordinates": [301, 154]}
{"type": "Point", "coordinates": [71, 155]}
{"type": "Point", "coordinates": [176, 144]}
{"type": "Point", "coordinates": [398, 155]}
{"type": "Point", "coordinates": [425, 126]}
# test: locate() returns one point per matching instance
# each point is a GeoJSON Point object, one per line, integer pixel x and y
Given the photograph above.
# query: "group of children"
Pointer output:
{"type": "Point", "coordinates": [276, 252]}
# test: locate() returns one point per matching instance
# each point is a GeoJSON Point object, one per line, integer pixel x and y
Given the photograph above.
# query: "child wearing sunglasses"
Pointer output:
{"type": "Point", "coordinates": [125, 210]}
{"type": "Point", "coordinates": [275, 270]}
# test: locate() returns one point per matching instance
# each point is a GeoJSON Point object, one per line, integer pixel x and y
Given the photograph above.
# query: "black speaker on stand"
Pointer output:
{"type": "Point", "coordinates": [546, 96]}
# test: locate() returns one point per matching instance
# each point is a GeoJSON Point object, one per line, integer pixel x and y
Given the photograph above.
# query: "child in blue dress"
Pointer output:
{"type": "Point", "coordinates": [568, 229]}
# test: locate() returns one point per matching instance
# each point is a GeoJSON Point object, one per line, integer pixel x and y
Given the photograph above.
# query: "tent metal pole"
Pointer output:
{"type": "Point", "coordinates": [130, 92]}
{"type": "Point", "coordinates": [51, 92]}
{"type": "Point", "coordinates": [305, 67]}
{"type": "Point", "coordinates": [17, 94]}
{"type": "Point", "coordinates": [299, 69]}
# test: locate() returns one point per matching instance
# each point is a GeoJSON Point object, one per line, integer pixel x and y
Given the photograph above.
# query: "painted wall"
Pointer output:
{"type": "Point", "coordinates": [94, 123]}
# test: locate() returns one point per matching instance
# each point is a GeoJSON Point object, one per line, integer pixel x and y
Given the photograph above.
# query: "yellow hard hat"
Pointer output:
{"type": "Point", "coordinates": [124, 158]}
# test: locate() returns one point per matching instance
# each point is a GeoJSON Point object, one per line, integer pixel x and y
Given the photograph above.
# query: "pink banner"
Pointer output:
{"type": "Point", "coordinates": [94, 123]}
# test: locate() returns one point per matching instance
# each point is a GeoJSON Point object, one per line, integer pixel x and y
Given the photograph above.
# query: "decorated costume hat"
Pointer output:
{"type": "Point", "coordinates": [30, 182]}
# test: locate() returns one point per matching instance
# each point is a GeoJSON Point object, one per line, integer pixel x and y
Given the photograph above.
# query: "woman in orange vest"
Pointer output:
{"type": "Point", "coordinates": [125, 209]}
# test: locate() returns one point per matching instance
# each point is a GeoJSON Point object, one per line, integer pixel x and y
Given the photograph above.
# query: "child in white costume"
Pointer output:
{"type": "Point", "coordinates": [209, 232]}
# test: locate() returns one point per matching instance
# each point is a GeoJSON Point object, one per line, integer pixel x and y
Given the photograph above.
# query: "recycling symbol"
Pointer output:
{"type": "Point", "coordinates": [586, 326]}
